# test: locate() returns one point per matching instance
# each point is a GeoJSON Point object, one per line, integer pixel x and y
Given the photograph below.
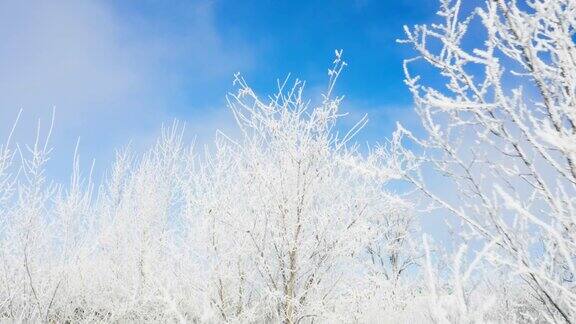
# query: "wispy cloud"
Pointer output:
{"type": "Point", "coordinates": [110, 79]}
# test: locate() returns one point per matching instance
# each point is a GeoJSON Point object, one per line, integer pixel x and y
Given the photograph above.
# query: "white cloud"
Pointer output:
{"type": "Point", "coordinates": [63, 53]}
{"type": "Point", "coordinates": [110, 80]}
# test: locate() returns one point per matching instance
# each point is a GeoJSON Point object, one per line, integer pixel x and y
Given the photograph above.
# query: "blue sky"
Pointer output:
{"type": "Point", "coordinates": [117, 70]}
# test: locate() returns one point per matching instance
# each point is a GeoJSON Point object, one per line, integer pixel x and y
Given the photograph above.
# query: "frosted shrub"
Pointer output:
{"type": "Point", "coordinates": [278, 224]}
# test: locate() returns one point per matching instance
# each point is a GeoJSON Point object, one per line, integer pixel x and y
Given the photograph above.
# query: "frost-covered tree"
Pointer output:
{"type": "Point", "coordinates": [285, 222]}
{"type": "Point", "coordinates": [500, 144]}
{"type": "Point", "coordinates": [293, 224]}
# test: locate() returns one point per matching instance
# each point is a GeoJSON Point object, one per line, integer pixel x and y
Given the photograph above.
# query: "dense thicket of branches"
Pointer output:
{"type": "Point", "coordinates": [289, 222]}
{"type": "Point", "coordinates": [279, 224]}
